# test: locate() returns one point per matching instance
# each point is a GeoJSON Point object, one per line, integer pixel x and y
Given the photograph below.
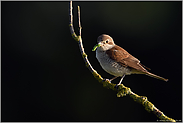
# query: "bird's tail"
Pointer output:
{"type": "Point", "coordinates": [155, 76]}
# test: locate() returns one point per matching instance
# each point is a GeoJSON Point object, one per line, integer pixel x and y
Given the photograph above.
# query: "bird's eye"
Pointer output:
{"type": "Point", "coordinates": [107, 41]}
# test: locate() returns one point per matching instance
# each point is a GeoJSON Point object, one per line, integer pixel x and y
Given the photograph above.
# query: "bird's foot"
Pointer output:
{"type": "Point", "coordinates": [106, 80]}
{"type": "Point", "coordinates": [116, 86]}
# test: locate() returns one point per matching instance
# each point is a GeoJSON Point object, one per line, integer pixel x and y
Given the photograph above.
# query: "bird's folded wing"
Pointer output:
{"type": "Point", "coordinates": [125, 59]}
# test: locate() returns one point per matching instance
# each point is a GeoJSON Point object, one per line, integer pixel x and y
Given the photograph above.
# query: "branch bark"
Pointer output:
{"type": "Point", "coordinates": [122, 90]}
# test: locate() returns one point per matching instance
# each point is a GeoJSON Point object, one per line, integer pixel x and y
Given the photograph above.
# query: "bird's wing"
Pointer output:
{"type": "Point", "coordinates": [124, 58]}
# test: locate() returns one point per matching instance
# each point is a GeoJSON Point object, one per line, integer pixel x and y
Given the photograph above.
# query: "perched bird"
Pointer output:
{"type": "Point", "coordinates": [117, 61]}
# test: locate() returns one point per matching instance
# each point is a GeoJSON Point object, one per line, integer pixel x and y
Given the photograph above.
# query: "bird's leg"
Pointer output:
{"type": "Point", "coordinates": [113, 78]}
{"type": "Point", "coordinates": [120, 81]}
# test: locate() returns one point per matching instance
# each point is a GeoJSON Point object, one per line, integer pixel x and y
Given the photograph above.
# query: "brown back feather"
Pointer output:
{"type": "Point", "coordinates": [125, 59]}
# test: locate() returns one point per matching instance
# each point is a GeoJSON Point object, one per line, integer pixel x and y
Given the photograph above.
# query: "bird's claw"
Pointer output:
{"type": "Point", "coordinates": [116, 86]}
{"type": "Point", "coordinates": [106, 80]}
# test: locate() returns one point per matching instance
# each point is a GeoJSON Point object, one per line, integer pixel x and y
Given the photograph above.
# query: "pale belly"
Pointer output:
{"type": "Point", "coordinates": [111, 66]}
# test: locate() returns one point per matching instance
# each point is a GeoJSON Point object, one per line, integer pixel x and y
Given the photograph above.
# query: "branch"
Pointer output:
{"type": "Point", "coordinates": [122, 90]}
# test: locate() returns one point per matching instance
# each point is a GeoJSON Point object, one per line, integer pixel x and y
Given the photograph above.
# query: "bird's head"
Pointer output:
{"type": "Point", "coordinates": [105, 42]}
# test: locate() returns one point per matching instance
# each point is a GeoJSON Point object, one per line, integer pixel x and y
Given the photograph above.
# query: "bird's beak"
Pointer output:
{"type": "Point", "coordinates": [95, 47]}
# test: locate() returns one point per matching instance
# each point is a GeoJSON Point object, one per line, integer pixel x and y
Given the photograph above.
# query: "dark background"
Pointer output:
{"type": "Point", "coordinates": [44, 77]}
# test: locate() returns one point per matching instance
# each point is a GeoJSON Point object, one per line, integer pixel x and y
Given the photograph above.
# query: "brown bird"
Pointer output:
{"type": "Point", "coordinates": [117, 61]}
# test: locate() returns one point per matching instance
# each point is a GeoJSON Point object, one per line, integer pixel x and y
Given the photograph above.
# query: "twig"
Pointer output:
{"type": "Point", "coordinates": [78, 38]}
{"type": "Point", "coordinates": [122, 90]}
{"type": "Point", "coordinates": [79, 21]}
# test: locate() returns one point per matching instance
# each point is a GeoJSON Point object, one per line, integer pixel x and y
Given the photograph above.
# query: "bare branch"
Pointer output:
{"type": "Point", "coordinates": [79, 40]}
{"type": "Point", "coordinates": [122, 90]}
{"type": "Point", "coordinates": [71, 21]}
{"type": "Point", "coordinates": [79, 21]}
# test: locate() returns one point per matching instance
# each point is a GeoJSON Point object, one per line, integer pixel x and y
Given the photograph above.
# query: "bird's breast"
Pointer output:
{"type": "Point", "coordinates": [110, 65]}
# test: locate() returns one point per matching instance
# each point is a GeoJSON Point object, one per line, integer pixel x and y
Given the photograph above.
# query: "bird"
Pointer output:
{"type": "Point", "coordinates": [117, 61]}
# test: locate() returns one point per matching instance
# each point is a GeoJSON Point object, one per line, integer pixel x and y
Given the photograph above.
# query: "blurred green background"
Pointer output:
{"type": "Point", "coordinates": [44, 77]}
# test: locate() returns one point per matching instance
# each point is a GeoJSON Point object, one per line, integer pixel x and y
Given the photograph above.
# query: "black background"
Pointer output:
{"type": "Point", "coordinates": [44, 77]}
